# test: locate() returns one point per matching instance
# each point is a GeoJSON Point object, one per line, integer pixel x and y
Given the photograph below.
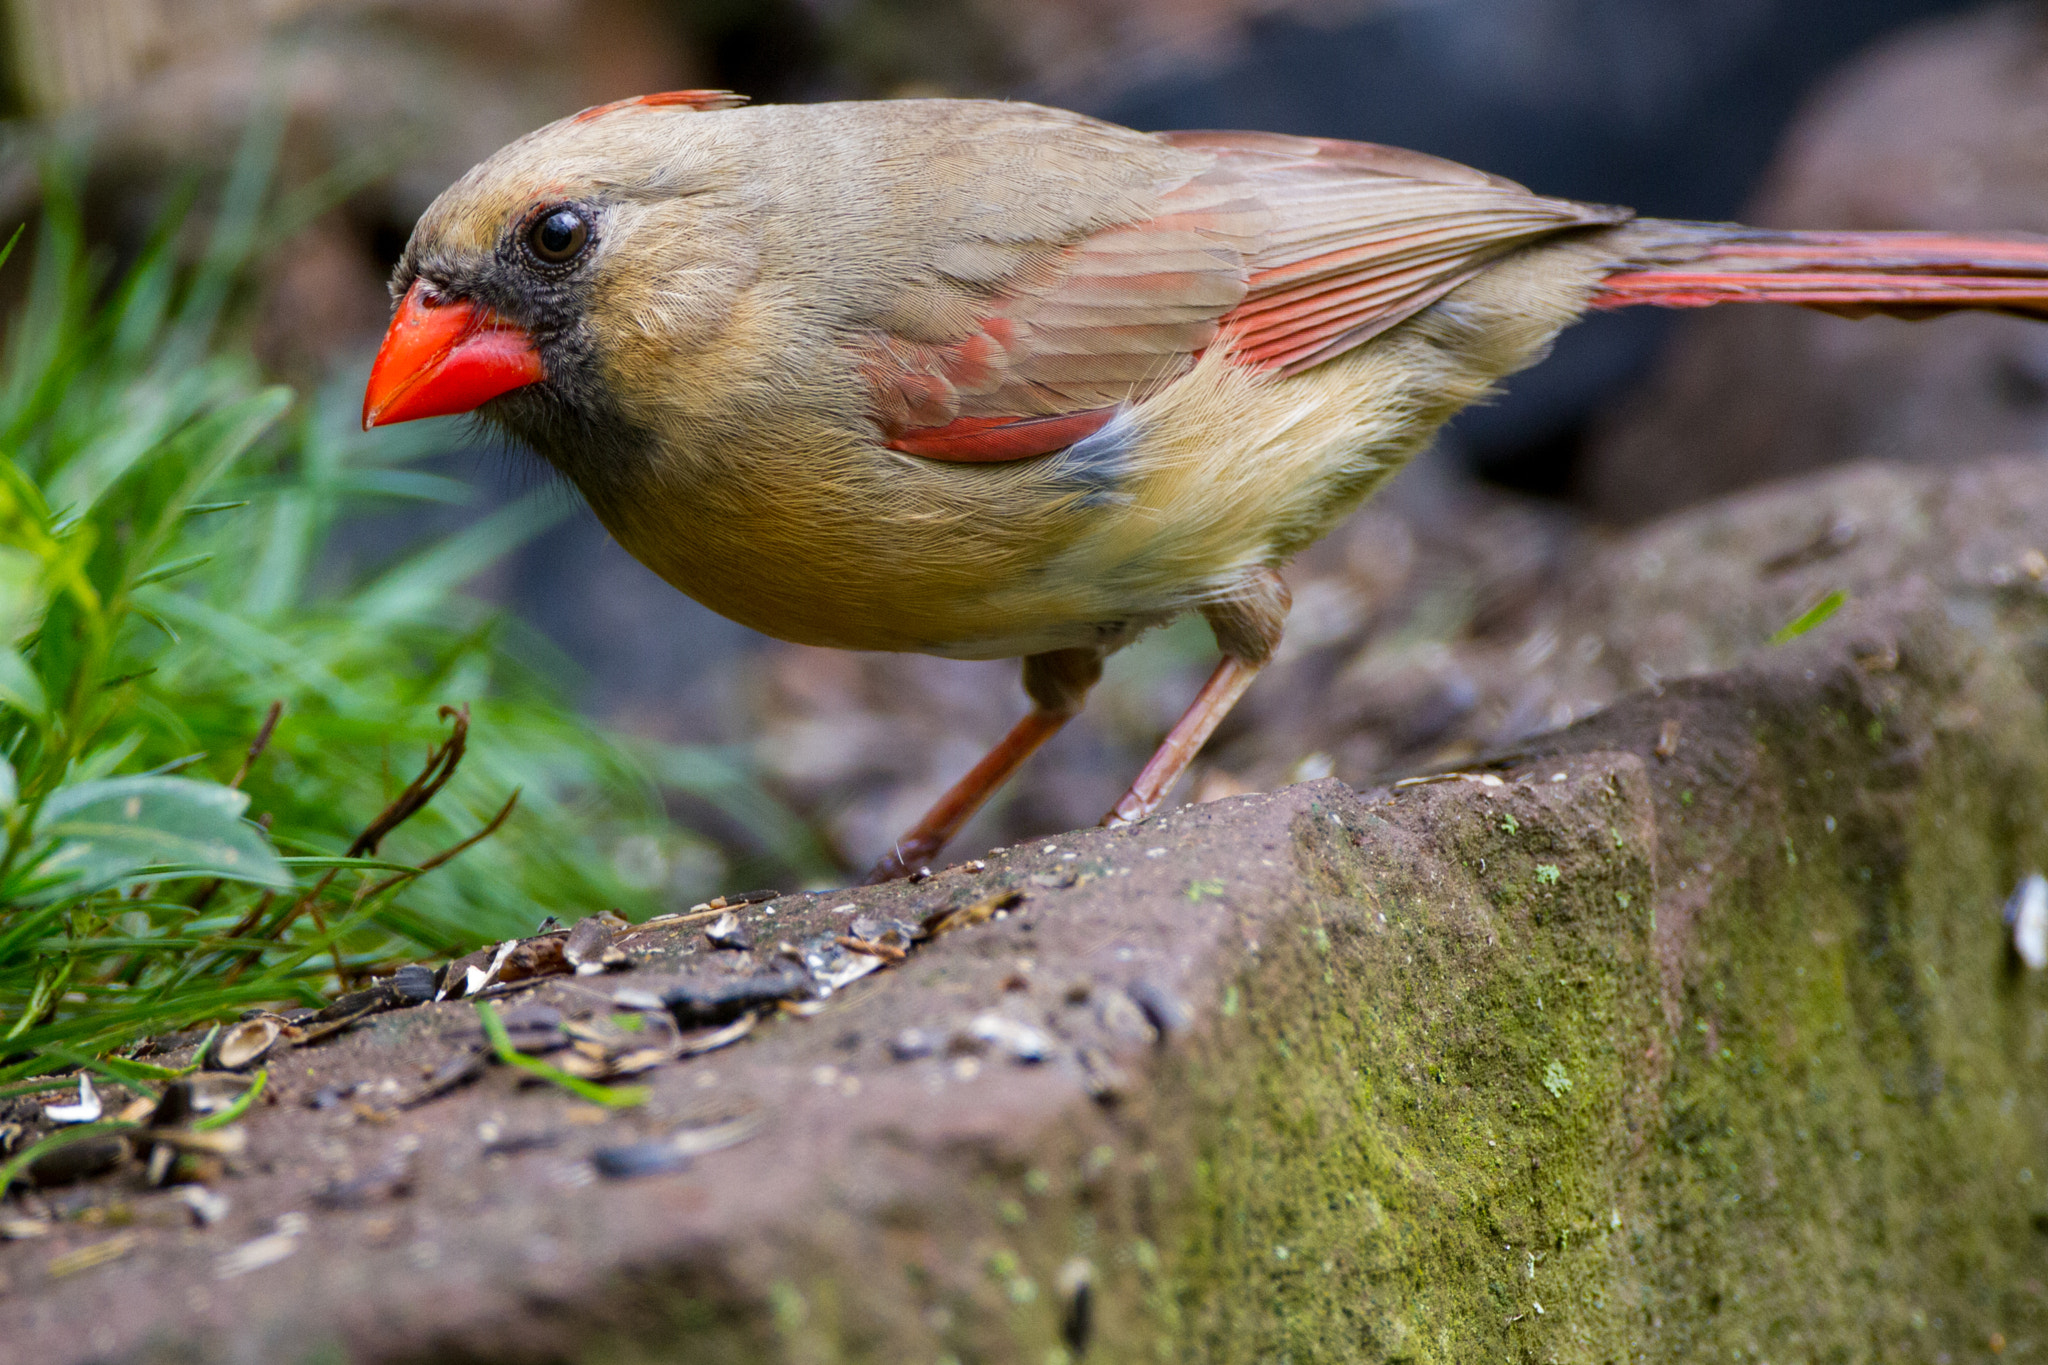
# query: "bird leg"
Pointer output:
{"type": "Point", "coordinates": [1247, 627]}
{"type": "Point", "coordinates": [1057, 683]}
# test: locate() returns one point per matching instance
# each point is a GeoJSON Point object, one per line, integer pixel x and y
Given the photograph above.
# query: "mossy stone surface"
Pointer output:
{"type": "Point", "coordinates": [1723, 1057]}
{"type": "Point", "coordinates": [1689, 1032]}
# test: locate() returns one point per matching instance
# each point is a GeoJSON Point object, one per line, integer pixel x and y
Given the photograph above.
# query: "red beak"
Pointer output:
{"type": "Point", "coordinates": [443, 356]}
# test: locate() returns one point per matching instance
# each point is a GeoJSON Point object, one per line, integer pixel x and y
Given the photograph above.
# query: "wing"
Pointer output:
{"type": "Point", "coordinates": [1026, 333]}
{"type": "Point", "coordinates": [1291, 250]}
{"type": "Point", "coordinates": [1365, 237]}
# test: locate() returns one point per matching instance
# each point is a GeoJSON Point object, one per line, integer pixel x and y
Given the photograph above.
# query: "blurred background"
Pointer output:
{"type": "Point", "coordinates": [1426, 629]}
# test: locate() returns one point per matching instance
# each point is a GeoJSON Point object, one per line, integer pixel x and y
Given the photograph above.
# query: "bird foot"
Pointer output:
{"type": "Point", "coordinates": [1183, 742]}
{"type": "Point", "coordinates": [905, 859]}
{"type": "Point", "coordinates": [966, 796]}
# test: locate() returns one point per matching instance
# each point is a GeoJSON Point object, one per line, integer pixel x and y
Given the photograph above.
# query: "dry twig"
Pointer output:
{"type": "Point", "coordinates": [442, 760]}
{"type": "Point", "coordinates": [441, 764]}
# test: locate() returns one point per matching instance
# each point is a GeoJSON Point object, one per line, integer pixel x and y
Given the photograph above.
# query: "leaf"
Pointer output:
{"type": "Point", "coordinates": [1811, 617]}
{"type": "Point", "coordinates": [19, 686]}
{"type": "Point", "coordinates": [10, 791]}
{"type": "Point", "coordinates": [611, 1096]}
{"type": "Point", "coordinates": [222, 1118]}
{"type": "Point", "coordinates": [404, 483]}
{"type": "Point", "coordinates": [117, 827]}
{"type": "Point", "coordinates": [172, 569]}
{"type": "Point", "coordinates": [704, 773]}
{"type": "Point", "coordinates": [102, 761]}
{"type": "Point", "coordinates": [419, 583]}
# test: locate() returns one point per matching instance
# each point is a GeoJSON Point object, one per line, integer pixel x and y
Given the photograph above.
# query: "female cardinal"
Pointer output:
{"type": "Point", "coordinates": [987, 379]}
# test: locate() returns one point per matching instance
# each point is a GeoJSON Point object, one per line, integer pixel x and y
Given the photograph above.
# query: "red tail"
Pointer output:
{"type": "Point", "coordinates": [1910, 274]}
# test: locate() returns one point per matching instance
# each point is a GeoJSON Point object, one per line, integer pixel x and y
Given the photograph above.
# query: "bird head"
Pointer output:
{"type": "Point", "coordinates": [528, 282]}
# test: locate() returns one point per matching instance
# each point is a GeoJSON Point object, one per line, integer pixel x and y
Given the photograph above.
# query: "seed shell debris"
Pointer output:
{"type": "Point", "coordinates": [242, 1045]}
{"type": "Point", "coordinates": [266, 1250]}
{"type": "Point", "coordinates": [974, 912]}
{"type": "Point", "coordinates": [1018, 1041]}
{"type": "Point", "coordinates": [704, 998]}
{"type": "Point", "coordinates": [726, 932]}
{"type": "Point", "coordinates": [98, 1254]}
{"type": "Point", "coordinates": [87, 1110]}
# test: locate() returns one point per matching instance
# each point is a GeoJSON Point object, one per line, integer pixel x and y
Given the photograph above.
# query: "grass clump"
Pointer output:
{"type": "Point", "coordinates": [208, 756]}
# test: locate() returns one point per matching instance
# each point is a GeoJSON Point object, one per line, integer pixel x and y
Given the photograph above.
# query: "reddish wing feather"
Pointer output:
{"type": "Point", "coordinates": [1296, 248]}
{"type": "Point", "coordinates": [991, 440]}
{"type": "Point", "coordinates": [687, 99]}
{"type": "Point", "coordinates": [1366, 237]}
{"type": "Point", "coordinates": [1120, 312]}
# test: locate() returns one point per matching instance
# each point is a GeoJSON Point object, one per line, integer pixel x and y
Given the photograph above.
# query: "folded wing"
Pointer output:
{"type": "Point", "coordinates": [1289, 250]}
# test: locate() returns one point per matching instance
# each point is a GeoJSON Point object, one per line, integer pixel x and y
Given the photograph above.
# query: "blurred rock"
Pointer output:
{"type": "Point", "coordinates": [1080, 49]}
{"type": "Point", "coordinates": [1945, 126]}
{"type": "Point", "coordinates": [384, 101]}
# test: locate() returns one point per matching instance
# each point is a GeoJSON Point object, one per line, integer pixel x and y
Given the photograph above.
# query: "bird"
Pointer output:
{"type": "Point", "coordinates": [986, 379]}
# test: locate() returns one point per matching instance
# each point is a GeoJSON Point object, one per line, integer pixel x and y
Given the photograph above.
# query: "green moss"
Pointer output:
{"type": "Point", "coordinates": [1485, 1125]}
{"type": "Point", "coordinates": [1418, 1159]}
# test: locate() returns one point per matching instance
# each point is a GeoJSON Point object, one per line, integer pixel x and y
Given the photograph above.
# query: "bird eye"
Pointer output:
{"type": "Point", "coordinates": [558, 236]}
